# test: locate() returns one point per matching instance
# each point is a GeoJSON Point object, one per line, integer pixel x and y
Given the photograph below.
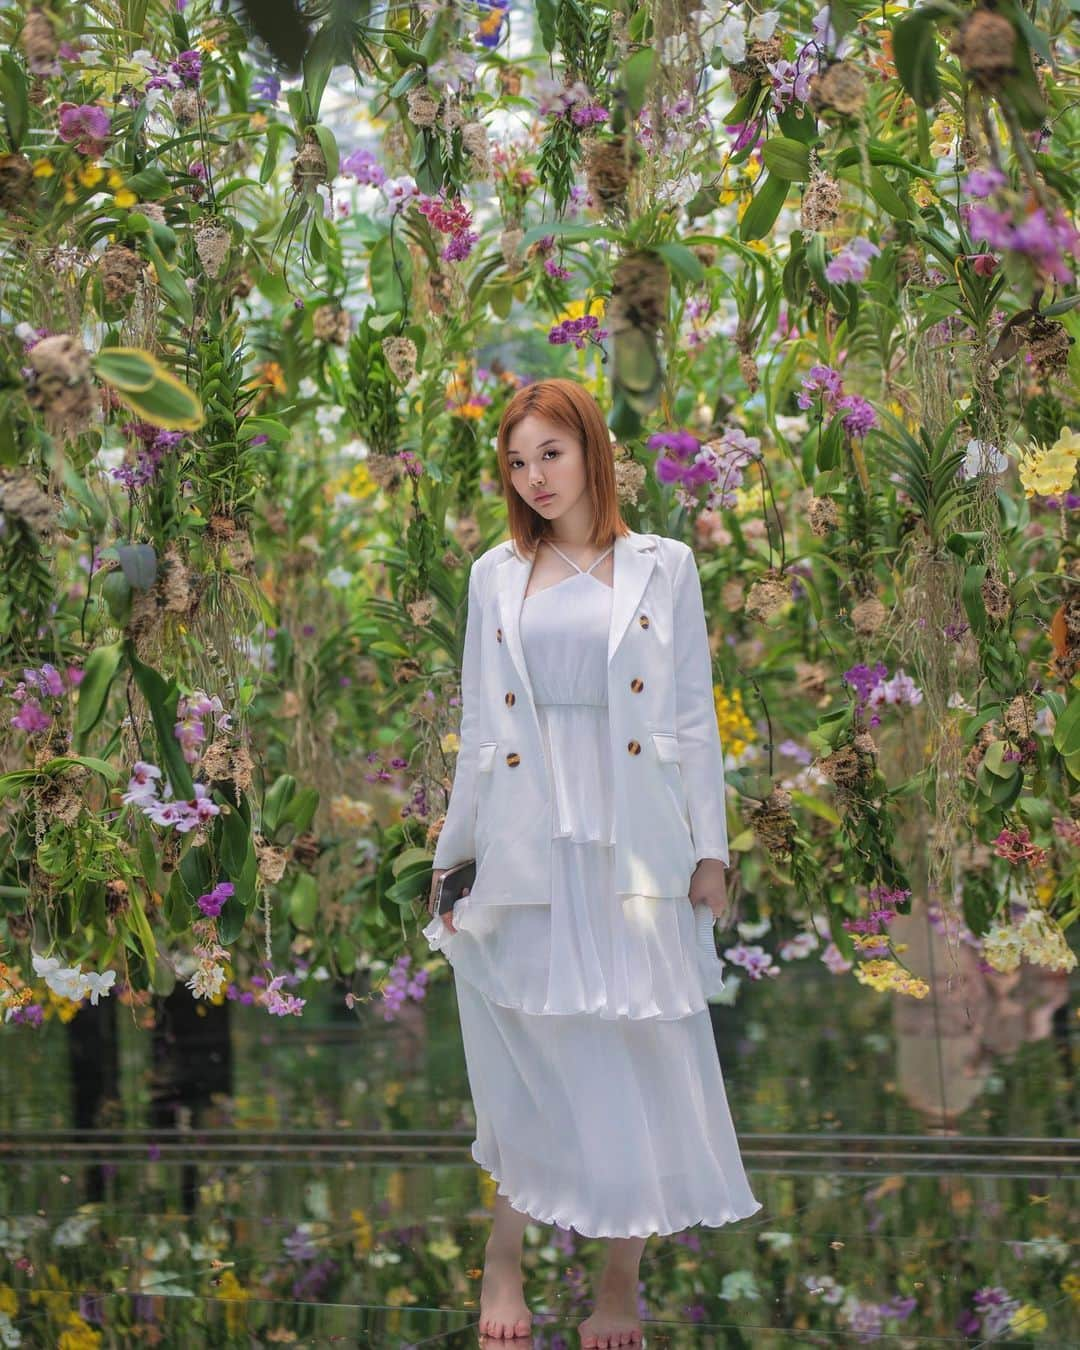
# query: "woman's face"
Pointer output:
{"type": "Point", "coordinates": [547, 466]}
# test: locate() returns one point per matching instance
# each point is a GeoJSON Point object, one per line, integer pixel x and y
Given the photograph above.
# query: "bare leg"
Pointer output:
{"type": "Point", "coordinates": [503, 1310]}
{"type": "Point", "coordinates": [614, 1321]}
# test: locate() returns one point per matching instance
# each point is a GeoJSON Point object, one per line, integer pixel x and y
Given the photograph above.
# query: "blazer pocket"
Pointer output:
{"type": "Point", "coordinates": [485, 756]}
{"type": "Point", "coordinates": [667, 746]}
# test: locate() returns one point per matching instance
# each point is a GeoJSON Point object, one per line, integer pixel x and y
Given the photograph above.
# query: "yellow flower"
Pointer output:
{"type": "Point", "coordinates": [125, 197]}
{"type": "Point", "coordinates": [392, 1092]}
{"type": "Point", "coordinates": [736, 729]}
{"type": "Point", "coordinates": [79, 1335]}
{"type": "Point", "coordinates": [115, 179]}
{"type": "Point", "coordinates": [9, 1300]}
{"type": "Point", "coordinates": [576, 308]}
{"type": "Point", "coordinates": [90, 175]}
{"type": "Point", "coordinates": [445, 1248]}
{"type": "Point", "coordinates": [470, 409]}
{"type": "Point", "coordinates": [885, 976]}
{"type": "Point", "coordinates": [1050, 472]}
{"type": "Point", "coordinates": [942, 134]}
{"type": "Point", "coordinates": [1069, 442]}
{"type": "Point", "coordinates": [206, 44]}
{"type": "Point", "coordinates": [233, 1293]}
{"type": "Point", "coordinates": [362, 1230]}
{"type": "Point", "coordinates": [923, 192]}
{"type": "Point", "coordinates": [450, 743]}
{"type": "Point", "coordinates": [43, 168]}
{"type": "Point", "coordinates": [1071, 1285]}
{"type": "Point", "coordinates": [488, 1188]}
{"type": "Point", "coordinates": [1028, 1318]}
{"type": "Point", "coordinates": [361, 484]}
{"type": "Point", "coordinates": [399, 1294]}
{"type": "Point", "coordinates": [70, 195]}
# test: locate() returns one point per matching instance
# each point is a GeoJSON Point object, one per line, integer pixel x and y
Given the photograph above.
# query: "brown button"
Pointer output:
{"type": "Point", "coordinates": [513, 759]}
{"type": "Point", "coordinates": [634, 747]}
{"type": "Point", "coordinates": [498, 634]}
{"type": "Point", "coordinates": [643, 619]}
{"type": "Point", "coordinates": [637, 685]}
{"type": "Point", "coordinates": [511, 698]}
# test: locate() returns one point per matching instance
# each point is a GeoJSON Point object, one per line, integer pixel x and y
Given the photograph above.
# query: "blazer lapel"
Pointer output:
{"type": "Point", "coordinates": [633, 561]}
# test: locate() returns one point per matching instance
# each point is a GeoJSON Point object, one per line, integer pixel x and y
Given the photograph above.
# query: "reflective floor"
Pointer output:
{"type": "Point", "coordinates": [235, 1179]}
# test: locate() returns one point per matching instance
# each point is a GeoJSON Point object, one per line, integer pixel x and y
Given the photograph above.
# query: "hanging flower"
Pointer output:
{"type": "Point", "coordinates": [1050, 472]}
{"type": "Point", "coordinates": [85, 125]}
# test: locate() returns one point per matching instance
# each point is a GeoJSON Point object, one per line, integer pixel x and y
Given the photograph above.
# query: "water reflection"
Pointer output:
{"type": "Point", "coordinates": [227, 1180]}
{"type": "Point", "coordinates": [949, 1044]}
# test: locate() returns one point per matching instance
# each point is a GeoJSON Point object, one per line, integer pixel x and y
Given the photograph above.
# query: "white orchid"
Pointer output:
{"type": "Point", "coordinates": [983, 458]}
{"type": "Point", "coordinates": [762, 26]}
{"type": "Point", "coordinates": [732, 39]}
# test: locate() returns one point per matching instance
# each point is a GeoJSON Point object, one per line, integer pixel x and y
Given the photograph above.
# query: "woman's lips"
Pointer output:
{"type": "Point", "coordinates": [544, 497]}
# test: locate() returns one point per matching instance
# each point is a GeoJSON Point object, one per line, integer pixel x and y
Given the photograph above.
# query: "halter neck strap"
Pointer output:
{"type": "Point", "coordinates": [573, 564]}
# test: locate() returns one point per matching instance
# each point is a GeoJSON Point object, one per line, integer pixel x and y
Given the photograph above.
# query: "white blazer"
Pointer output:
{"type": "Point", "coordinates": [669, 801]}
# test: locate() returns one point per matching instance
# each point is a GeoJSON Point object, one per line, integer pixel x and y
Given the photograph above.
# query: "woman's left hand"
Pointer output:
{"type": "Point", "coordinates": [708, 886]}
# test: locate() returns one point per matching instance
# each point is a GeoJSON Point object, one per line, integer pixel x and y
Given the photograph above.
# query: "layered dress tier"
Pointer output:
{"type": "Point", "coordinates": [599, 1097]}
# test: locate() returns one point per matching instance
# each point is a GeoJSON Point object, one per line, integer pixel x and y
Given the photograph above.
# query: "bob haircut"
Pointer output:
{"type": "Point", "coordinates": [570, 405]}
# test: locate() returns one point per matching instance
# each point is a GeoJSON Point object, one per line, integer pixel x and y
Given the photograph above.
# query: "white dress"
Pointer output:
{"type": "Point", "coordinates": [599, 1098]}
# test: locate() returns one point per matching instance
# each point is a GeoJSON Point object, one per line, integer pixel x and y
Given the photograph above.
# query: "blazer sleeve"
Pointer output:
{"type": "Point", "coordinates": [456, 838]}
{"type": "Point", "coordinates": [700, 751]}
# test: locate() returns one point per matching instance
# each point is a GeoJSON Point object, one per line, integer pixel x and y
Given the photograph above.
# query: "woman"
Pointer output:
{"type": "Point", "coordinates": [589, 788]}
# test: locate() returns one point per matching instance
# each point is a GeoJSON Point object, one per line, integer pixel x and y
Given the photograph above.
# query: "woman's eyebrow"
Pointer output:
{"type": "Point", "coordinates": [550, 441]}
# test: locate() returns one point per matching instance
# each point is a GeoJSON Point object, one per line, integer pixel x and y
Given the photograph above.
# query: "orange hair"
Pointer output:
{"type": "Point", "coordinates": [570, 405]}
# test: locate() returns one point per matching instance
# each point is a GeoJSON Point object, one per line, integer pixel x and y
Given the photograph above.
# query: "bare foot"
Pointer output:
{"type": "Point", "coordinates": [503, 1310]}
{"type": "Point", "coordinates": [614, 1320]}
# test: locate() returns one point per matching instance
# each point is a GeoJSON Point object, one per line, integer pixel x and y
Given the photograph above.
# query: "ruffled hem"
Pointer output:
{"type": "Point", "coordinates": [538, 1209]}
{"type": "Point", "coordinates": [588, 951]}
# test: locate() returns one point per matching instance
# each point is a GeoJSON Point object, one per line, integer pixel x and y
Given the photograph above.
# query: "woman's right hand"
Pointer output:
{"type": "Point", "coordinates": [436, 873]}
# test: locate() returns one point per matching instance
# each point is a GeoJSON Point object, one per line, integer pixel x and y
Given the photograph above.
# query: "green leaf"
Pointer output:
{"type": "Point", "coordinates": [275, 134]}
{"type": "Point", "coordinates": [390, 275]}
{"type": "Point", "coordinates": [787, 159]}
{"type": "Point", "coordinates": [637, 75]}
{"type": "Point", "coordinates": [328, 145]}
{"type": "Point", "coordinates": [162, 700]}
{"type": "Point", "coordinates": [915, 53]}
{"type": "Point", "coordinates": [994, 762]}
{"type": "Point", "coordinates": [547, 12]}
{"type": "Point", "coordinates": [149, 184]}
{"type": "Point", "coordinates": [682, 260]}
{"type": "Point", "coordinates": [170, 280]}
{"type": "Point", "coordinates": [410, 857]}
{"type": "Point", "coordinates": [318, 63]}
{"type": "Point", "coordinates": [1067, 729]}
{"type": "Point", "coordinates": [501, 300]}
{"type": "Point", "coordinates": [304, 901]}
{"type": "Point", "coordinates": [139, 564]}
{"type": "Point", "coordinates": [300, 812]}
{"type": "Point", "coordinates": [887, 197]}
{"type": "Point", "coordinates": [14, 99]}
{"type": "Point", "coordinates": [251, 427]}
{"type": "Point", "coordinates": [98, 674]}
{"type": "Point", "coordinates": [278, 796]}
{"type": "Point", "coordinates": [145, 385]}
{"type": "Point", "coordinates": [760, 215]}
{"type": "Point", "coordinates": [571, 232]}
